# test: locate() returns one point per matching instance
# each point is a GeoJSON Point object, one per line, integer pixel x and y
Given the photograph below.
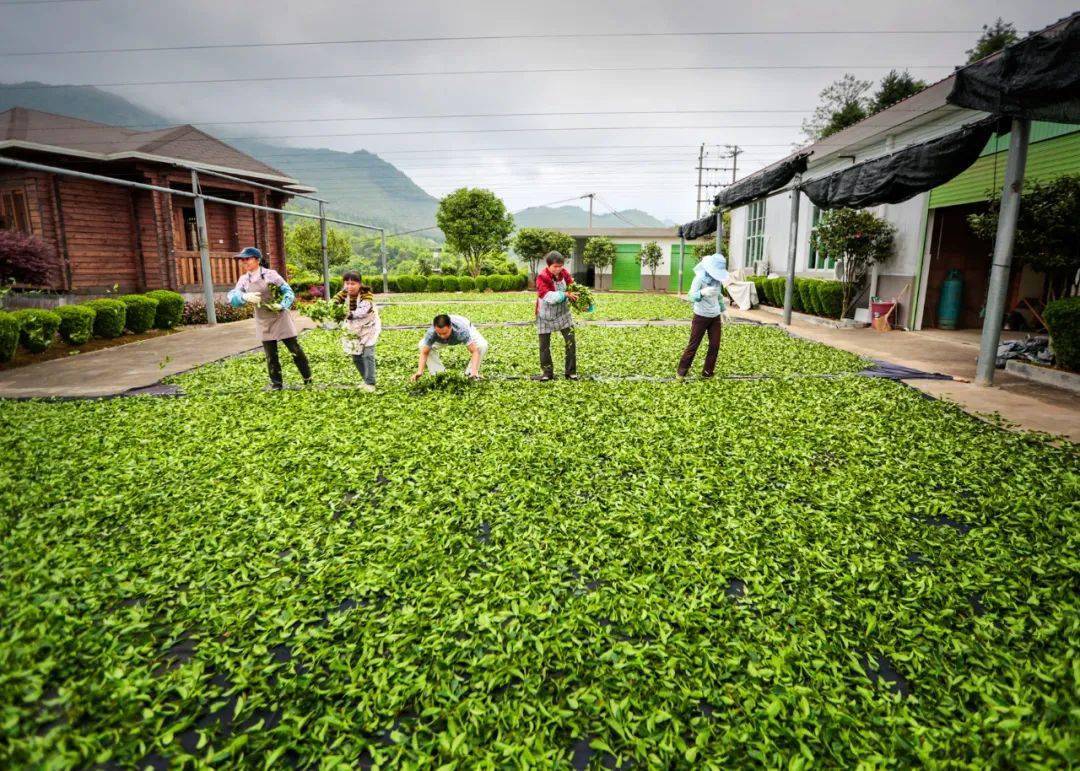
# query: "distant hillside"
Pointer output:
{"type": "Point", "coordinates": [364, 187]}
{"type": "Point", "coordinates": [361, 184]}
{"type": "Point", "coordinates": [81, 102]}
{"type": "Point", "coordinates": [576, 217]}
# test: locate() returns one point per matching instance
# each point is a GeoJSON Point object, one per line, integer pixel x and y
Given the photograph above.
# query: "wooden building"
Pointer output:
{"type": "Point", "coordinates": [107, 235]}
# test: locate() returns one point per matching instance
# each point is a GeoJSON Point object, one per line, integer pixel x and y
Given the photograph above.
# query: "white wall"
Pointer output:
{"type": "Point", "coordinates": [737, 242]}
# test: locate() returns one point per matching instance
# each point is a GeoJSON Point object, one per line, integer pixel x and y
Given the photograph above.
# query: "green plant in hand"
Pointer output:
{"type": "Point", "coordinates": [585, 301]}
{"type": "Point", "coordinates": [324, 311]}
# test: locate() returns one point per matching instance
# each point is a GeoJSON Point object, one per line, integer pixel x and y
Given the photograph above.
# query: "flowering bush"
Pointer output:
{"type": "Point", "coordinates": [856, 238]}
{"type": "Point", "coordinates": [195, 312]}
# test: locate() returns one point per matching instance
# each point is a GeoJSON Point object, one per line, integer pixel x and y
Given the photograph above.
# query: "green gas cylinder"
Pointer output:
{"type": "Point", "coordinates": [952, 296]}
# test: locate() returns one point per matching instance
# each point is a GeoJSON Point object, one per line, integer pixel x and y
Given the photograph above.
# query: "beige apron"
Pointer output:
{"type": "Point", "coordinates": [269, 325]}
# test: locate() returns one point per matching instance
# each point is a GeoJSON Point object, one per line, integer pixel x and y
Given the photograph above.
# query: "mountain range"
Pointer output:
{"type": "Point", "coordinates": [377, 192]}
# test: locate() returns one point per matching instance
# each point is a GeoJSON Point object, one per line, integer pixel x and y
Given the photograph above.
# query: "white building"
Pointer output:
{"type": "Point", "coordinates": [932, 236]}
{"type": "Point", "coordinates": [627, 273]}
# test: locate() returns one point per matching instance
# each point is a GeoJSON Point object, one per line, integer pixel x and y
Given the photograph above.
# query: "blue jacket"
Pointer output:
{"type": "Point", "coordinates": [710, 273]}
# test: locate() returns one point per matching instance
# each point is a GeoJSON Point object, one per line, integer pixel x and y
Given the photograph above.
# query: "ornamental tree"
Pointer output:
{"type": "Point", "coordinates": [1047, 236]}
{"type": "Point", "coordinates": [532, 244]}
{"type": "Point", "coordinates": [599, 254]}
{"type": "Point", "coordinates": [650, 257]}
{"type": "Point", "coordinates": [858, 239]}
{"type": "Point", "coordinates": [476, 225]}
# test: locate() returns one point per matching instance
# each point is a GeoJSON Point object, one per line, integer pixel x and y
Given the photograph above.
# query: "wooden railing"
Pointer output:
{"type": "Point", "coordinates": [224, 268]}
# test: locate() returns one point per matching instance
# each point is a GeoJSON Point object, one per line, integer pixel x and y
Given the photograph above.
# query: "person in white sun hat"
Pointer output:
{"type": "Point", "coordinates": [706, 293]}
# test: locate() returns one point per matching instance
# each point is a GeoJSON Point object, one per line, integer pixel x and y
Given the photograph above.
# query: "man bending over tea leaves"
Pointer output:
{"type": "Point", "coordinates": [447, 330]}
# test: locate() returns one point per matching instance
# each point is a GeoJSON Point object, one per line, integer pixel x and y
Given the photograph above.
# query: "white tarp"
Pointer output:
{"type": "Point", "coordinates": [743, 294]}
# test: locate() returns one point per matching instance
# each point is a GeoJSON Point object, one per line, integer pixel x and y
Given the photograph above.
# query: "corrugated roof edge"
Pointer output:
{"type": "Point", "coordinates": [813, 147]}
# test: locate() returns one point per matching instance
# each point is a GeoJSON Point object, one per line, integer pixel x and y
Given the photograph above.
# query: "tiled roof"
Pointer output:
{"type": "Point", "coordinates": [185, 144]}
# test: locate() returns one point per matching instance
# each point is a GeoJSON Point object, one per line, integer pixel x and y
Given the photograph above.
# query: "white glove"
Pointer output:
{"type": "Point", "coordinates": [710, 291]}
{"type": "Point", "coordinates": [252, 297]}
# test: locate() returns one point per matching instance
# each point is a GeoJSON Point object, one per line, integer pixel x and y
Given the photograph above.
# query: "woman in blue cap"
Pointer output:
{"type": "Point", "coordinates": [273, 323]}
{"type": "Point", "coordinates": [705, 292]}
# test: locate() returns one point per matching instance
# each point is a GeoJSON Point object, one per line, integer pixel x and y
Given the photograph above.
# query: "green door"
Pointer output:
{"type": "Point", "coordinates": [689, 260]}
{"type": "Point", "coordinates": [626, 273]}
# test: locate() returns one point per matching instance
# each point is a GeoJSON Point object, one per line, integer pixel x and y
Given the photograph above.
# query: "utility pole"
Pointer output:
{"type": "Point", "coordinates": [700, 164]}
{"type": "Point", "coordinates": [590, 196]}
{"type": "Point", "coordinates": [734, 152]}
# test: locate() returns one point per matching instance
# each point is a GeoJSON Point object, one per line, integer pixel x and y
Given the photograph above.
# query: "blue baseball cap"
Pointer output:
{"type": "Point", "coordinates": [250, 251]}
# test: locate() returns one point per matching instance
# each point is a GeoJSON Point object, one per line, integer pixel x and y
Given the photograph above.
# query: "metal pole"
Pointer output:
{"type": "Point", "coordinates": [793, 242]}
{"type": "Point", "coordinates": [204, 250]}
{"type": "Point", "coordinates": [1003, 250]}
{"type": "Point", "coordinates": [382, 253]}
{"type": "Point", "coordinates": [719, 228]}
{"type": "Point", "coordinates": [700, 163]}
{"type": "Point", "coordinates": [325, 255]}
{"type": "Point", "coordinates": [682, 258]}
{"type": "Point", "coordinates": [590, 209]}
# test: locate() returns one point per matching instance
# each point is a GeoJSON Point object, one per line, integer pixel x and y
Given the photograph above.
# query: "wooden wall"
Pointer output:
{"type": "Point", "coordinates": [106, 235]}
{"type": "Point", "coordinates": [37, 188]}
{"type": "Point", "coordinates": [100, 235]}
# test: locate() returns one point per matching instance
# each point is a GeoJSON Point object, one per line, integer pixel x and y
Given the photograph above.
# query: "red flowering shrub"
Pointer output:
{"type": "Point", "coordinates": [24, 259]}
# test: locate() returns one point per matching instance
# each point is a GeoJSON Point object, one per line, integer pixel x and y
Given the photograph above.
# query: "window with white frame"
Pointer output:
{"type": "Point", "coordinates": [817, 260]}
{"type": "Point", "coordinates": [755, 231]}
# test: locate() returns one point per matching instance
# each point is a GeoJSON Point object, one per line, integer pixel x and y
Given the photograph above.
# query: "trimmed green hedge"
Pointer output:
{"type": "Point", "coordinates": [110, 317]}
{"type": "Point", "coordinates": [141, 312]}
{"type": "Point", "coordinates": [9, 335]}
{"type": "Point", "coordinates": [829, 298]}
{"type": "Point", "coordinates": [450, 283]}
{"type": "Point", "coordinates": [759, 285]}
{"type": "Point", "coordinates": [796, 298]}
{"type": "Point", "coordinates": [37, 328]}
{"type": "Point", "coordinates": [805, 288]}
{"type": "Point", "coordinates": [776, 291]}
{"type": "Point", "coordinates": [170, 308]}
{"type": "Point", "coordinates": [1063, 320]}
{"type": "Point", "coordinates": [77, 323]}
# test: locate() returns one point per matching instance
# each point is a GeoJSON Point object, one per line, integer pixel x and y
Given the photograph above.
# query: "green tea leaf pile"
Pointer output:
{"type": "Point", "coordinates": [808, 569]}
{"type": "Point", "coordinates": [442, 382]}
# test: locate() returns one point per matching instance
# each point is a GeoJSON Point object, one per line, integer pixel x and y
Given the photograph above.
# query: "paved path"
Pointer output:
{"type": "Point", "coordinates": [1028, 405]}
{"type": "Point", "coordinates": [115, 370]}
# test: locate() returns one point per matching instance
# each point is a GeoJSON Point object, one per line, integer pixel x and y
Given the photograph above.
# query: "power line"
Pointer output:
{"type": "Point", "coordinates": [461, 38]}
{"type": "Point", "coordinates": [455, 73]}
{"type": "Point", "coordinates": [44, 2]}
{"type": "Point", "coordinates": [613, 211]}
{"type": "Point", "coordinates": [358, 118]}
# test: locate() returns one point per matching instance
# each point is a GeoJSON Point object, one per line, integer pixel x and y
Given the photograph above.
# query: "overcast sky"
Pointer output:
{"type": "Point", "coordinates": [641, 161]}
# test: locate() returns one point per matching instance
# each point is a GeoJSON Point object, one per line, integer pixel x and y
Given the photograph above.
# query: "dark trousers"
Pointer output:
{"type": "Point", "coordinates": [698, 327]}
{"type": "Point", "coordinates": [273, 363]}
{"type": "Point", "coordinates": [546, 365]}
